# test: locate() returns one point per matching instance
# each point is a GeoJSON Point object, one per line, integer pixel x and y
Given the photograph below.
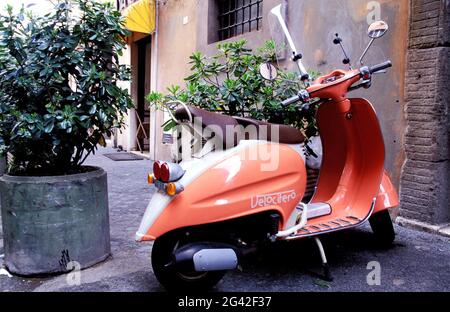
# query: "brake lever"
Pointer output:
{"type": "Point", "coordinates": [364, 84]}
{"type": "Point", "coordinates": [384, 71]}
{"type": "Point", "coordinates": [304, 106]}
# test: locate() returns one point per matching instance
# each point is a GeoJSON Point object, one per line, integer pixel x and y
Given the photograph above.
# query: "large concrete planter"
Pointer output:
{"type": "Point", "coordinates": [49, 222]}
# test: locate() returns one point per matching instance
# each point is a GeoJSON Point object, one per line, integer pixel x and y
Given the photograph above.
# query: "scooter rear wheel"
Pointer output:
{"type": "Point", "coordinates": [383, 228]}
{"type": "Point", "coordinates": [170, 277]}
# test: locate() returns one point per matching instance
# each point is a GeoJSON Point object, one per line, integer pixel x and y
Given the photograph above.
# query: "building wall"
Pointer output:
{"type": "Point", "coordinates": [425, 184]}
{"type": "Point", "coordinates": [412, 99]}
{"type": "Point", "coordinates": [177, 39]}
{"type": "Point", "coordinates": [184, 25]}
{"type": "Point", "coordinates": [172, 45]}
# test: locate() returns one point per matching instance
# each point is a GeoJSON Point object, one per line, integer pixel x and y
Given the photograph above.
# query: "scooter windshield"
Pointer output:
{"type": "Point", "coordinates": [283, 40]}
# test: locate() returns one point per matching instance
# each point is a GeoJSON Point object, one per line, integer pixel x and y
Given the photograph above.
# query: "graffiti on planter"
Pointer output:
{"type": "Point", "coordinates": [65, 259]}
{"type": "Point", "coordinates": [73, 267]}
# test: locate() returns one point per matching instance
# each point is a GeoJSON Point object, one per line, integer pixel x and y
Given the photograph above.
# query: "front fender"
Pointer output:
{"type": "Point", "coordinates": [388, 196]}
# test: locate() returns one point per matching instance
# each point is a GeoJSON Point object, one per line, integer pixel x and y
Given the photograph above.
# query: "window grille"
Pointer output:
{"type": "Point", "coordinates": [237, 17]}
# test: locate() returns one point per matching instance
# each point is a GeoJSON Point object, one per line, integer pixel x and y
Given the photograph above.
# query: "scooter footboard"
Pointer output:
{"type": "Point", "coordinates": [387, 199]}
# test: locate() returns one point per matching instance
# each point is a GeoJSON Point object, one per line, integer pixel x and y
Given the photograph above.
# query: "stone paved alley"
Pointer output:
{"type": "Point", "coordinates": [417, 262]}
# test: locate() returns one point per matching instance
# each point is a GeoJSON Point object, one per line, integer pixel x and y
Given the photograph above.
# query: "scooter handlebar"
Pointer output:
{"type": "Point", "coordinates": [380, 67]}
{"type": "Point", "coordinates": [290, 101]}
{"type": "Point", "coordinates": [302, 96]}
{"type": "Point", "coordinates": [376, 68]}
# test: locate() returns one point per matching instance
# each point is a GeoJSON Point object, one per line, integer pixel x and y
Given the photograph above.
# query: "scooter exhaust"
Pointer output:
{"type": "Point", "coordinates": [205, 257]}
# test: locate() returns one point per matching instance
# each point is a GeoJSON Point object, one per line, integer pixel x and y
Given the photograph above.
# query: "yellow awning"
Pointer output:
{"type": "Point", "coordinates": [141, 16]}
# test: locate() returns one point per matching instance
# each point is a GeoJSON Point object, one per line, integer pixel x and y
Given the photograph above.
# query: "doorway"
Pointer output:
{"type": "Point", "coordinates": [143, 89]}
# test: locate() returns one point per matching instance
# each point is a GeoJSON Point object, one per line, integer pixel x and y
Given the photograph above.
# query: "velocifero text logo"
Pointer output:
{"type": "Point", "coordinates": [259, 201]}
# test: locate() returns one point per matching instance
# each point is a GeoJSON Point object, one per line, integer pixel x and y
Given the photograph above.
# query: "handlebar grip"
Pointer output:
{"type": "Point", "coordinates": [291, 100]}
{"type": "Point", "coordinates": [380, 67]}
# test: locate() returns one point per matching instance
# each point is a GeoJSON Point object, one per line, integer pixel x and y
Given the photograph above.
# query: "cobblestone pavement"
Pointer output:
{"type": "Point", "coordinates": [417, 261]}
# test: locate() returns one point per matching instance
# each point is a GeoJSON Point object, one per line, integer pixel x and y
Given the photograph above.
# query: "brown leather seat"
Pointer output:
{"type": "Point", "coordinates": [264, 130]}
{"type": "Point", "coordinates": [213, 120]}
{"type": "Point", "coordinates": [284, 134]}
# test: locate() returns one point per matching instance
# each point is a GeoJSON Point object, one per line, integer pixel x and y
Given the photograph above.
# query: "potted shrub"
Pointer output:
{"type": "Point", "coordinates": [58, 97]}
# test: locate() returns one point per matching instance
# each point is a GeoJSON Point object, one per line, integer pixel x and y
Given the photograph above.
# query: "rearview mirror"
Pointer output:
{"type": "Point", "coordinates": [377, 29]}
{"type": "Point", "coordinates": [268, 71]}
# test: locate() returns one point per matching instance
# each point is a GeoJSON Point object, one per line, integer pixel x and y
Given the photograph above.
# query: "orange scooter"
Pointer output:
{"type": "Point", "coordinates": [210, 211]}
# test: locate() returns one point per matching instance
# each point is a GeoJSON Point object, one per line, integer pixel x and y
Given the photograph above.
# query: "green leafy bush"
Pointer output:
{"type": "Point", "coordinates": [230, 83]}
{"type": "Point", "coordinates": [58, 85]}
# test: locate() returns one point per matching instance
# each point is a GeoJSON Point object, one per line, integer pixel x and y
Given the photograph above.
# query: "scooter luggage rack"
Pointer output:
{"type": "Point", "coordinates": [329, 226]}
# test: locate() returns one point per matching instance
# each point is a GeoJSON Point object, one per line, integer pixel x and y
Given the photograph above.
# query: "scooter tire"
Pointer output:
{"type": "Point", "coordinates": [173, 280]}
{"type": "Point", "coordinates": [382, 227]}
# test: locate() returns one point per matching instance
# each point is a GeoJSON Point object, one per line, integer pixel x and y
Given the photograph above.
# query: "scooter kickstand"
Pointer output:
{"type": "Point", "coordinates": [326, 268]}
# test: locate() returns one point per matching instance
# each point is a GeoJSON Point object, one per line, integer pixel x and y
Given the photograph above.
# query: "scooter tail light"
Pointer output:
{"type": "Point", "coordinates": [157, 170]}
{"type": "Point", "coordinates": [170, 172]}
{"type": "Point", "coordinates": [164, 173]}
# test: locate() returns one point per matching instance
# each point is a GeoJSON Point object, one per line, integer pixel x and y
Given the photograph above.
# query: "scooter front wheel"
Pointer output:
{"type": "Point", "coordinates": [170, 277]}
{"type": "Point", "coordinates": [382, 227]}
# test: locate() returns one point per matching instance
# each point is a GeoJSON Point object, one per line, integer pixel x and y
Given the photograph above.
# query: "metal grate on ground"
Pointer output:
{"type": "Point", "coordinates": [123, 157]}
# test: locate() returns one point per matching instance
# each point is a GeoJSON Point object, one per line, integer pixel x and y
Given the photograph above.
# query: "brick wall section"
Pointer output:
{"type": "Point", "coordinates": [425, 186]}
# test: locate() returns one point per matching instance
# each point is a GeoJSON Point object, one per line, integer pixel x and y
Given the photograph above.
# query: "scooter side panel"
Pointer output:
{"type": "Point", "coordinates": [262, 177]}
{"type": "Point", "coordinates": [194, 168]}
